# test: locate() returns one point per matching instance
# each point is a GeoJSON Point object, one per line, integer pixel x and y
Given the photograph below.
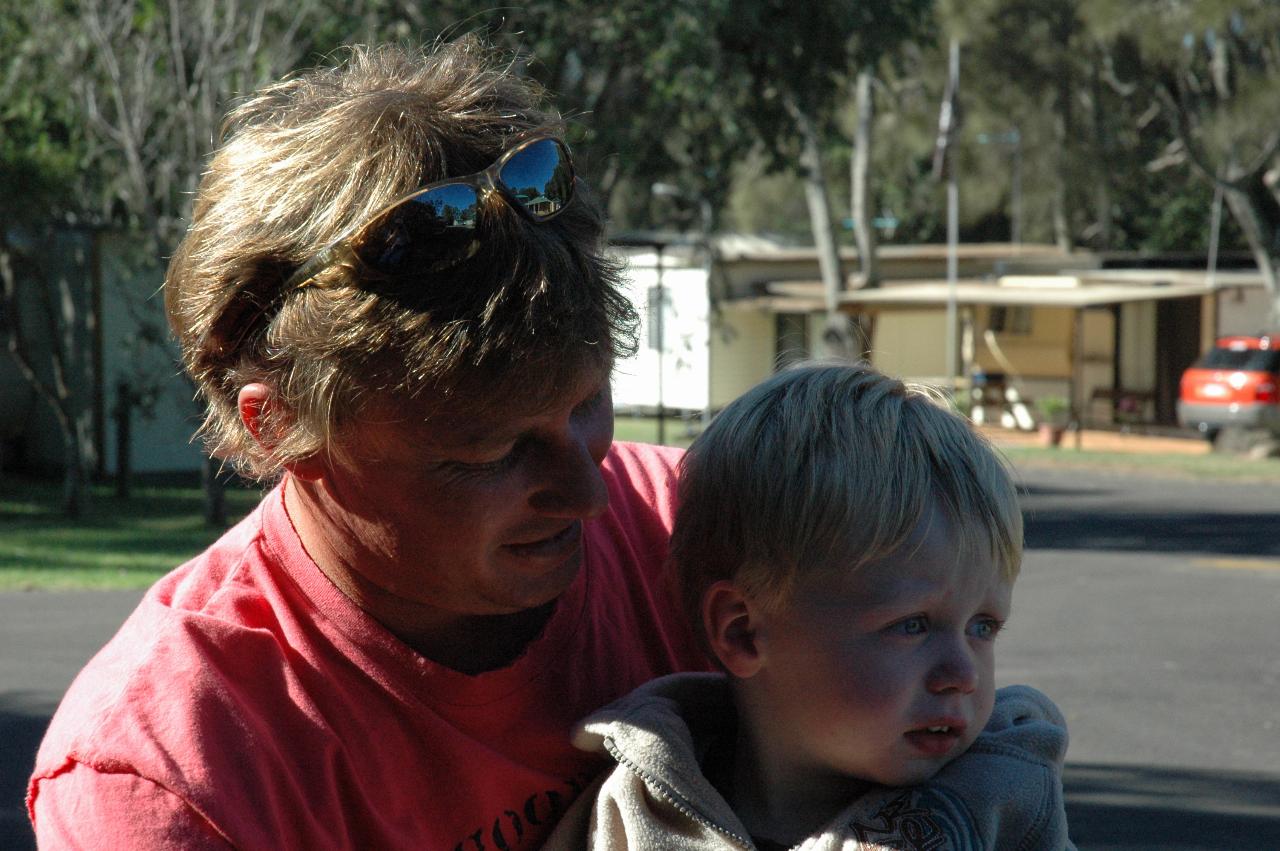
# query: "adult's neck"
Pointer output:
{"type": "Point", "coordinates": [469, 644]}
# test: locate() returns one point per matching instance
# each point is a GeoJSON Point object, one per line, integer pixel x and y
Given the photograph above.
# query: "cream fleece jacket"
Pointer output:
{"type": "Point", "coordinates": [1005, 792]}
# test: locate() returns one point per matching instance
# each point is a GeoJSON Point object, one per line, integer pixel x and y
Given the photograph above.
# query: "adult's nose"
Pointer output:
{"type": "Point", "coordinates": [569, 482]}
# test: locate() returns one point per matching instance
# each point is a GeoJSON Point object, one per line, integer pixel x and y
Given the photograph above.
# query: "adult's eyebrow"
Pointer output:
{"type": "Point", "coordinates": [463, 430]}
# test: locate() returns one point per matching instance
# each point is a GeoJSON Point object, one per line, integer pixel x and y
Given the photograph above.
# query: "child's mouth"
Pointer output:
{"type": "Point", "coordinates": [935, 740]}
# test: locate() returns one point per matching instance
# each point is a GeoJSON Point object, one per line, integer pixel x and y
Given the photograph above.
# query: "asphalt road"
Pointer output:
{"type": "Point", "coordinates": [1146, 608]}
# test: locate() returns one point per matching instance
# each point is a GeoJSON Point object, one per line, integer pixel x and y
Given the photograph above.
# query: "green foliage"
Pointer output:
{"type": "Point", "coordinates": [41, 146]}
{"type": "Point", "coordinates": [700, 94]}
{"type": "Point", "coordinates": [1052, 407]}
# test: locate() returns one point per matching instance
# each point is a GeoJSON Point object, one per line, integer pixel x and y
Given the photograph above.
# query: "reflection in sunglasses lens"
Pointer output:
{"type": "Point", "coordinates": [539, 178]}
{"type": "Point", "coordinates": [438, 224]}
{"type": "Point", "coordinates": [445, 215]}
{"type": "Point", "coordinates": [444, 207]}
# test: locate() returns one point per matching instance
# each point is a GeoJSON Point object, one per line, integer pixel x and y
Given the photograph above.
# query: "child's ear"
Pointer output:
{"type": "Point", "coordinates": [731, 620]}
{"type": "Point", "coordinates": [253, 401]}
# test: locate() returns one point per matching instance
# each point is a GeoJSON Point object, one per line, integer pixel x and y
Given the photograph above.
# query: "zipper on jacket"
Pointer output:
{"type": "Point", "coordinates": [675, 798]}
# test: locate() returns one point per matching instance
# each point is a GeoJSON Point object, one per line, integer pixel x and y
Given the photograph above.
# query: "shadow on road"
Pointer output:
{"type": "Point", "coordinates": [1032, 490]}
{"type": "Point", "coordinates": [1230, 534]}
{"type": "Point", "coordinates": [22, 726]}
{"type": "Point", "coordinates": [1128, 808]}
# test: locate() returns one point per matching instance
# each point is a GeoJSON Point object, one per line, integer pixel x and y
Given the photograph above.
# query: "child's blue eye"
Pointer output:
{"type": "Point", "coordinates": [916, 625]}
{"type": "Point", "coordinates": [986, 628]}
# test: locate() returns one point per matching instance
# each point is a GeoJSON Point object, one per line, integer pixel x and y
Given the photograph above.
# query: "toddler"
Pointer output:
{"type": "Point", "coordinates": [847, 548]}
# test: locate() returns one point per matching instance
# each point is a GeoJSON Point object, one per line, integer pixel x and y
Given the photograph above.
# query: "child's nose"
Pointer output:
{"type": "Point", "coordinates": [955, 668]}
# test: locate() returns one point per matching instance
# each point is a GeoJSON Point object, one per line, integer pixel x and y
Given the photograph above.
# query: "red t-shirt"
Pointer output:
{"type": "Point", "coordinates": [248, 702]}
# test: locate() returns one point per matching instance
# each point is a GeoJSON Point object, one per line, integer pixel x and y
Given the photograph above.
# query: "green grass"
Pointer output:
{"type": "Point", "coordinates": [645, 430]}
{"type": "Point", "coordinates": [1214, 466]}
{"type": "Point", "coordinates": [116, 544]}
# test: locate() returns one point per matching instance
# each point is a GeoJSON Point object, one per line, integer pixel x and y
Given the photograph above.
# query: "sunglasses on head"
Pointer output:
{"type": "Point", "coordinates": [435, 226]}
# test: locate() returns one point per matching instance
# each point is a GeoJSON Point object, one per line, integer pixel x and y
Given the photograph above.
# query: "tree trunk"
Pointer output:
{"type": "Point", "coordinates": [1102, 141]}
{"type": "Point", "coordinates": [77, 454]}
{"type": "Point", "coordinates": [1064, 126]}
{"type": "Point", "coordinates": [1257, 211]}
{"type": "Point", "coordinates": [215, 493]}
{"type": "Point", "coordinates": [124, 439]}
{"type": "Point", "coordinates": [837, 339]}
{"type": "Point", "coordinates": [60, 319]}
{"type": "Point", "coordinates": [864, 232]}
{"type": "Point", "coordinates": [1062, 212]}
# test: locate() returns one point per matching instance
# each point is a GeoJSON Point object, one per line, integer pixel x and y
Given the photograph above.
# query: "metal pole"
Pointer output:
{"type": "Point", "coordinates": [1076, 389]}
{"type": "Point", "coordinates": [953, 231]}
{"type": "Point", "coordinates": [662, 344]}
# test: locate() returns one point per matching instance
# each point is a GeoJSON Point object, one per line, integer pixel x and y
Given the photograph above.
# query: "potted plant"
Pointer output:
{"type": "Point", "coordinates": [1055, 411]}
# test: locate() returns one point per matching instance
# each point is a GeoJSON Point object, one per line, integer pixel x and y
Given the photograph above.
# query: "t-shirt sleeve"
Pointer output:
{"type": "Point", "coordinates": [84, 808]}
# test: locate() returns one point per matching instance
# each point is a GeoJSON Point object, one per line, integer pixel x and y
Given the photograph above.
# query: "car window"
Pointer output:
{"type": "Point", "coordinates": [1251, 360]}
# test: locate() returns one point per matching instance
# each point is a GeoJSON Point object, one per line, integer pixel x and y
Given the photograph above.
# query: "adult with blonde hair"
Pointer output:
{"type": "Point", "coordinates": [394, 300]}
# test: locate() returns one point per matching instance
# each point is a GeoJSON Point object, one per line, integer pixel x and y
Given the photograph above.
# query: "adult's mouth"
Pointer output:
{"type": "Point", "coordinates": [559, 544]}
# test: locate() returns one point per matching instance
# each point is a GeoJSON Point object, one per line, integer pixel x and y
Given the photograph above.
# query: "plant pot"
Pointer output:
{"type": "Point", "coordinates": [1051, 434]}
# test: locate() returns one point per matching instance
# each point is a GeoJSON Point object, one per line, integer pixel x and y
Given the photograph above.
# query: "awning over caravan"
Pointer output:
{"type": "Point", "coordinates": [1087, 289]}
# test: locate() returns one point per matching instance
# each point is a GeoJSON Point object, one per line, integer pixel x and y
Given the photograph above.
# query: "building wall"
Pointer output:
{"type": "Point", "coordinates": [685, 357]}
{"type": "Point", "coordinates": [1241, 310]}
{"type": "Point", "coordinates": [743, 352]}
{"type": "Point", "coordinates": [134, 348]}
{"type": "Point", "coordinates": [1041, 353]}
{"type": "Point", "coordinates": [138, 351]}
{"type": "Point", "coordinates": [1137, 346]}
{"type": "Point", "coordinates": [908, 343]}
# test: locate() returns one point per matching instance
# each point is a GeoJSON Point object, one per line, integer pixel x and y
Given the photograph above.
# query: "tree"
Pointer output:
{"type": "Point", "coordinates": [154, 82]}
{"type": "Point", "coordinates": [1029, 62]}
{"type": "Point", "coordinates": [110, 110]}
{"type": "Point", "coordinates": [30, 284]}
{"type": "Point", "coordinates": [1214, 68]}
{"type": "Point", "coordinates": [45, 324]}
{"type": "Point", "coordinates": [798, 70]}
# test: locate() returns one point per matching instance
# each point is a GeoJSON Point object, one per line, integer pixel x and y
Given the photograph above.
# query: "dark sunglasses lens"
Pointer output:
{"type": "Point", "coordinates": [433, 226]}
{"type": "Point", "coordinates": [539, 177]}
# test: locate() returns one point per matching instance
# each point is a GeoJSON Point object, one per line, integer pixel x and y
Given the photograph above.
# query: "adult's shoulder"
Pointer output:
{"type": "Point", "coordinates": [642, 477]}
{"type": "Point", "coordinates": [203, 660]}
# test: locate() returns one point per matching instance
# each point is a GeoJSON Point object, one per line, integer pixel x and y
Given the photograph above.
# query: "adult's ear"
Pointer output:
{"type": "Point", "coordinates": [253, 402]}
{"type": "Point", "coordinates": [732, 623]}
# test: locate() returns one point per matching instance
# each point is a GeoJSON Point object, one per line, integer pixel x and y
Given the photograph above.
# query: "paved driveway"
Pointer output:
{"type": "Point", "coordinates": [45, 638]}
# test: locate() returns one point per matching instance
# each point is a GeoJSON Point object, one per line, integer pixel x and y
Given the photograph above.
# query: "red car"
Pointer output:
{"type": "Point", "coordinates": [1236, 383]}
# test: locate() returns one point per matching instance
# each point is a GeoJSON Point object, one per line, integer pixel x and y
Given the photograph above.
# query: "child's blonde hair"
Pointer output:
{"type": "Point", "coordinates": [827, 467]}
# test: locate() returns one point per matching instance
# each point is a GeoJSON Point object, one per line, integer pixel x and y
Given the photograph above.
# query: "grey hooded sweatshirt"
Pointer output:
{"type": "Point", "coordinates": [1004, 792]}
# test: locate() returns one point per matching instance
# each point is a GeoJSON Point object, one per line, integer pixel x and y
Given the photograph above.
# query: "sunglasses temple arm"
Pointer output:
{"type": "Point", "coordinates": [337, 253]}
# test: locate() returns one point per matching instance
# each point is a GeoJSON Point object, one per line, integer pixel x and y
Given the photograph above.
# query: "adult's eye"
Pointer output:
{"type": "Point", "coordinates": [594, 401]}
{"type": "Point", "coordinates": [497, 464]}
